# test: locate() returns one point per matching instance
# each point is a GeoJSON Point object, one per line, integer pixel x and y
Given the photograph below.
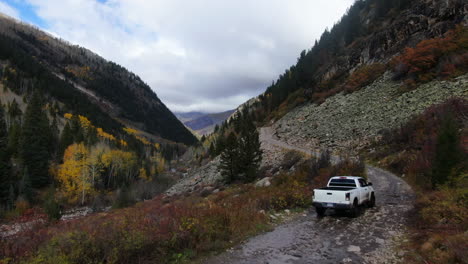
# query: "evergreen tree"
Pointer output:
{"type": "Point", "coordinates": [230, 159]}
{"type": "Point", "coordinates": [211, 150]}
{"type": "Point", "coordinates": [25, 186]}
{"type": "Point", "coordinates": [36, 143]}
{"type": "Point", "coordinates": [220, 145]}
{"type": "Point", "coordinates": [66, 139]}
{"type": "Point", "coordinates": [54, 133]}
{"type": "Point", "coordinates": [11, 197]}
{"type": "Point", "coordinates": [448, 152]}
{"type": "Point", "coordinates": [250, 151]}
{"type": "Point", "coordinates": [76, 130]}
{"type": "Point", "coordinates": [14, 113]}
{"type": "Point", "coordinates": [4, 159]}
{"type": "Point", "coordinates": [14, 136]}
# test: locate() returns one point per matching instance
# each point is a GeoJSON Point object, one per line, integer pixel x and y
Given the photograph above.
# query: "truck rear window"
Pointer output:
{"type": "Point", "coordinates": [342, 183]}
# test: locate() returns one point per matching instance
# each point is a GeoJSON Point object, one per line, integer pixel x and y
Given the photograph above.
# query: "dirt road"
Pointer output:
{"type": "Point", "coordinates": [336, 238]}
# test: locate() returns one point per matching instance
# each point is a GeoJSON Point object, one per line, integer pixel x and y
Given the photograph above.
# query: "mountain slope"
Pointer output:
{"type": "Point", "coordinates": [84, 82]}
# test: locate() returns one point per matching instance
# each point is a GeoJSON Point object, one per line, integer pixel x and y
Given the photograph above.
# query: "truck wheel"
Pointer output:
{"type": "Point", "coordinates": [372, 201]}
{"type": "Point", "coordinates": [355, 209]}
{"type": "Point", "coordinates": [320, 211]}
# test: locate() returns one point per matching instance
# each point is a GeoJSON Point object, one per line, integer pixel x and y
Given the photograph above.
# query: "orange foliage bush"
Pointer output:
{"type": "Point", "coordinates": [363, 76]}
{"type": "Point", "coordinates": [431, 58]}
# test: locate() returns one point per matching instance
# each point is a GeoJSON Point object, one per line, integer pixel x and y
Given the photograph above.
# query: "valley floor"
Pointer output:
{"type": "Point", "coordinates": [371, 238]}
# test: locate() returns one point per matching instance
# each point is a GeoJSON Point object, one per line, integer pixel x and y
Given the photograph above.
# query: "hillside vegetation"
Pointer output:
{"type": "Point", "coordinates": [430, 151]}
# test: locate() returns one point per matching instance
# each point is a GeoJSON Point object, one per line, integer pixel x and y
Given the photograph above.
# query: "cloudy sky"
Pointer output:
{"type": "Point", "coordinates": [203, 55]}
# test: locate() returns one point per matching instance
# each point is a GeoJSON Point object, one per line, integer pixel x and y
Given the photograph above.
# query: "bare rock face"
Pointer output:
{"type": "Point", "coordinates": [425, 19]}
{"type": "Point", "coordinates": [347, 122]}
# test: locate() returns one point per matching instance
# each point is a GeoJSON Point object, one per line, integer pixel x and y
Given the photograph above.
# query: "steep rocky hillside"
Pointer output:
{"type": "Point", "coordinates": [85, 83]}
{"type": "Point", "coordinates": [350, 122]}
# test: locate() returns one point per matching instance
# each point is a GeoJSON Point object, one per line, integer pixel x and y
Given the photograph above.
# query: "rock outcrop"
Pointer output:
{"type": "Point", "coordinates": [425, 19]}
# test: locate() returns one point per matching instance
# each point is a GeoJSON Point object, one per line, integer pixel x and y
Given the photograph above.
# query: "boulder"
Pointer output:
{"type": "Point", "coordinates": [265, 182]}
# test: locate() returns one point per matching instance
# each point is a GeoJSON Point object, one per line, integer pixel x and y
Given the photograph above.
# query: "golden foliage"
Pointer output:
{"type": "Point", "coordinates": [73, 174]}
{"type": "Point", "coordinates": [142, 139]}
{"type": "Point", "coordinates": [86, 124]}
{"type": "Point", "coordinates": [106, 136]}
{"type": "Point", "coordinates": [143, 175]}
{"type": "Point", "coordinates": [130, 131]}
{"type": "Point", "coordinates": [68, 116]}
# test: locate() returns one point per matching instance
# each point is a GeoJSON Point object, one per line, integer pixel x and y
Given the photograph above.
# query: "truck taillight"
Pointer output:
{"type": "Point", "coordinates": [348, 195]}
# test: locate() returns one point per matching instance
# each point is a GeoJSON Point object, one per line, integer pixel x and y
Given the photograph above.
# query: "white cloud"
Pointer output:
{"type": "Point", "coordinates": [8, 10]}
{"type": "Point", "coordinates": [207, 55]}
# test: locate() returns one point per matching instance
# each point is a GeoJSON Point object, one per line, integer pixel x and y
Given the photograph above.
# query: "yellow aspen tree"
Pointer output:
{"type": "Point", "coordinates": [73, 174]}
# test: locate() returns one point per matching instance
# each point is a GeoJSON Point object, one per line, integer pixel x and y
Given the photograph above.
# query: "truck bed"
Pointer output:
{"type": "Point", "coordinates": [336, 188]}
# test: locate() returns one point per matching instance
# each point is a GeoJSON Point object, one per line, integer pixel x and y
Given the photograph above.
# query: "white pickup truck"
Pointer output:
{"type": "Point", "coordinates": [344, 193]}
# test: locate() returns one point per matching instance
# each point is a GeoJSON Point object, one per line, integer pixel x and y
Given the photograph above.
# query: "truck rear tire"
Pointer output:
{"type": "Point", "coordinates": [355, 209]}
{"type": "Point", "coordinates": [320, 211]}
{"type": "Point", "coordinates": [372, 201]}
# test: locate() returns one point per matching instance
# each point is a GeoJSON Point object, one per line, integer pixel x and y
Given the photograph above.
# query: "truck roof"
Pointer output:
{"type": "Point", "coordinates": [347, 177]}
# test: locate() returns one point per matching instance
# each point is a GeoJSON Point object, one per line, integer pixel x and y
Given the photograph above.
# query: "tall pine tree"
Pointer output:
{"type": "Point", "coordinates": [36, 143]}
{"type": "Point", "coordinates": [5, 181]}
{"type": "Point", "coordinates": [448, 152]}
{"type": "Point", "coordinates": [241, 155]}
{"type": "Point", "coordinates": [250, 151]}
{"type": "Point", "coordinates": [230, 159]}
{"type": "Point", "coordinates": [66, 139]}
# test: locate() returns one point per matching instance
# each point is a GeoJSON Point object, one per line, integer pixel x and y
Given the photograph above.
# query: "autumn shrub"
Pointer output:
{"type": "Point", "coordinates": [320, 96]}
{"type": "Point", "coordinates": [432, 58]}
{"type": "Point", "coordinates": [447, 207]}
{"type": "Point", "coordinates": [363, 76]}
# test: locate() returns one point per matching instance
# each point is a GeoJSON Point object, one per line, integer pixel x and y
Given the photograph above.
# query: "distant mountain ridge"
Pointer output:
{"type": "Point", "coordinates": [203, 123]}
{"type": "Point", "coordinates": [83, 82]}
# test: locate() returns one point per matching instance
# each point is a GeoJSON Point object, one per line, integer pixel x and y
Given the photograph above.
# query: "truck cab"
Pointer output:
{"type": "Point", "coordinates": [344, 193]}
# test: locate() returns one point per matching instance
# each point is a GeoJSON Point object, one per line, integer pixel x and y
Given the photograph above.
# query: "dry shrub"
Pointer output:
{"type": "Point", "coordinates": [439, 228]}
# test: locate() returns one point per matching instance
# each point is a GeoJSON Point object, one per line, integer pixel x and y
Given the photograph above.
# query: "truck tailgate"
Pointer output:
{"type": "Point", "coordinates": [330, 196]}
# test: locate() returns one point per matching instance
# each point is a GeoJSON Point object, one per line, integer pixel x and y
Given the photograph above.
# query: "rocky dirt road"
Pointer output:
{"type": "Point", "coordinates": [336, 238]}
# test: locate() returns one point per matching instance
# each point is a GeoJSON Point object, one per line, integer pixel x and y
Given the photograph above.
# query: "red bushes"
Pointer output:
{"type": "Point", "coordinates": [363, 76]}
{"type": "Point", "coordinates": [431, 58]}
